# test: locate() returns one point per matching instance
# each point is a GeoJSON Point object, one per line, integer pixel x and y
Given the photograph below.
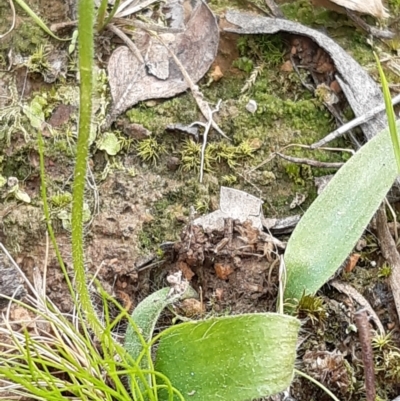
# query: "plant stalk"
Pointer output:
{"type": "Point", "coordinates": [85, 49]}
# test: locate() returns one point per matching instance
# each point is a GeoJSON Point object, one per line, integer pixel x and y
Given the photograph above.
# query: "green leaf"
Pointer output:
{"type": "Point", "coordinates": [110, 144]}
{"type": "Point", "coordinates": [145, 316]}
{"type": "Point", "coordinates": [389, 113]}
{"type": "Point", "coordinates": [38, 20]}
{"type": "Point", "coordinates": [333, 224]}
{"type": "Point", "coordinates": [233, 358]}
{"type": "Point", "coordinates": [35, 112]}
{"type": "Point", "coordinates": [22, 196]}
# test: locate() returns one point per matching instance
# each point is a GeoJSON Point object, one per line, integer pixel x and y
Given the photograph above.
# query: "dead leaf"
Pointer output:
{"type": "Point", "coordinates": [223, 271]}
{"type": "Point", "coordinates": [372, 7]}
{"type": "Point", "coordinates": [298, 200]}
{"type": "Point", "coordinates": [191, 307]}
{"type": "Point", "coordinates": [233, 204]}
{"type": "Point", "coordinates": [216, 74]}
{"type": "Point", "coordinates": [352, 262]}
{"type": "Point", "coordinates": [186, 270]}
{"type": "Point", "coordinates": [132, 81]}
{"type": "Point", "coordinates": [287, 65]}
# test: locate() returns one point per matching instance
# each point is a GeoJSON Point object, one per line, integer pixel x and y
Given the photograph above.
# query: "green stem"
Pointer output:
{"type": "Point", "coordinates": [321, 386]}
{"type": "Point", "coordinates": [85, 48]}
{"type": "Point", "coordinates": [390, 114]}
{"type": "Point", "coordinates": [46, 212]}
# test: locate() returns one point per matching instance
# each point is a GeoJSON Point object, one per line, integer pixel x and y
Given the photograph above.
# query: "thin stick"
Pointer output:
{"type": "Point", "coordinates": [390, 253]}
{"type": "Point", "coordinates": [13, 20]}
{"type": "Point", "coordinates": [378, 33]}
{"type": "Point", "coordinates": [309, 162]}
{"type": "Point", "coordinates": [351, 292]}
{"type": "Point", "coordinates": [272, 156]}
{"type": "Point", "coordinates": [361, 321]}
{"type": "Point", "coordinates": [198, 96]}
{"type": "Point", "coordinates": [205, 135]}
{"type": "Point", "coordinates": [275, 10]}
{"type": "Point", "coordinates": [353, 123]}
{"type": "Point", "coordinates": [127, 41]}
{"type": "Point", "coordinates": [393, 213]}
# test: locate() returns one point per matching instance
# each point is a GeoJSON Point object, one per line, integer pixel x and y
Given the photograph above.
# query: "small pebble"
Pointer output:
{"type": "Point", "coordinates": [251, 106]}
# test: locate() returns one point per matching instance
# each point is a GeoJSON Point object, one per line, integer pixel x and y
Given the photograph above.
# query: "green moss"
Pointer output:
{"type": "Point", "coordinates": [312, 307]}
{"type": "Point", "coordinates": [394, 6]}
{"type": "Point", "coordinates": [24, 39]}
{"type": "Point", "coordinates": [150, 150]}
{"type": "Point", "coordinates": [61, 199]}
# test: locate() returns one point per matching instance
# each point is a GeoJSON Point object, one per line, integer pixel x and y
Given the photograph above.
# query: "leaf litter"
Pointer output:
{"type": "Point", "coordinates": [232, 246]}
{"type": "Point", "coordinates": [159, 77]}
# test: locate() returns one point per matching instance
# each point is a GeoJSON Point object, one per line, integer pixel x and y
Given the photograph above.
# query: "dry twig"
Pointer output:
{"type": "Point", "coordinates": [356, 296]}
{"type": "Point", "coordinates": [361, 321]}
{"type": "Point", "coordinates": [353, 123]}
{"type": "Point", "coordinates": [127, 41]}
{"type": "Point", "coordinates": [13, 20]}
{"type": "Point", "coordinates": [275, 10]}
{"type": "Point", "coordinates": [309, 162]}
{"type": "Point", "coordinates": [377, 33]}
{"type": "Point", "coordinates": [198, 96]}
{"type": "Point", "coordinates": [390, 253]}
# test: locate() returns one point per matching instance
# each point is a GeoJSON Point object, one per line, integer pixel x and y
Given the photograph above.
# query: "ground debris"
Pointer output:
{"type": "Point", "coordinates": [11, 283]}
{"type": "Point", "coordinates": [234, 265]}
{"type": "Point", "coordinates": [360, 89]}
{"type": "Point", "coordinates": [132, 81]}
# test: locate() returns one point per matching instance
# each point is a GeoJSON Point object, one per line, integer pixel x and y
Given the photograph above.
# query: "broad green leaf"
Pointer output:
{"type": "Point", "coordinates": [140, 331]}
{"type": "Point", "coordinates": [35, 111]}
{"type": "Point", "coordinates": [145, 316]}
{"type": "Point", "coordinates": [335, 221]}
{"type": "Point", "coordinates": [390, 114]}
{"type": "Point", "coordinates": [110, 144]}
{"type": "Point", "coordinates": [233, 358]}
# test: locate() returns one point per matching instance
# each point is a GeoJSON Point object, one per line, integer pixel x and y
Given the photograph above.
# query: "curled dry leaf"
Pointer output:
{"type": "Point", "coordinates": [223, 270]}
{"type": "Point", "coordinates": [372, 7]}
{"type": "Point", "coordinates": [159, 77]}
{"type": "Point", "coordinates": [352, 262]}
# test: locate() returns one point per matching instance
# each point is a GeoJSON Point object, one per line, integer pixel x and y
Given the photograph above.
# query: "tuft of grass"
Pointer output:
{"type": "Point", "coordinates": [53, 356]}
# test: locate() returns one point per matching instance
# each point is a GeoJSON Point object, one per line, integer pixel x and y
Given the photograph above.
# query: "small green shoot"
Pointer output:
{"type": "Point", "coordinates": [385, 271]}
{"type": "Point", "coordinates": [38, 20]}
{"type": "Point", "coordinates": [390, 113]}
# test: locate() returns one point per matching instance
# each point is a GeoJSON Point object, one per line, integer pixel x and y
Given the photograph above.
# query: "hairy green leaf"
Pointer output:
{"type": "Point", "coordinates": [333, 224]}
{"type": "Point", "coordinates": [233, 358]}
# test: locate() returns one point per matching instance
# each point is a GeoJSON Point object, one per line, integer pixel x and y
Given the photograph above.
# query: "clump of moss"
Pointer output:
{"type": "Point", "coordinates": [386, 361]}
{"type": "Point", "coordinates": [61, 199]}
{"type": "Point", "coordinates": [313, 308]}
{"type": "Point", "coordinates": [215, 153]}
{"type": "Point", "coordinates": [150, 150]}
{"type": "Point", "coordinates": [385, 271]}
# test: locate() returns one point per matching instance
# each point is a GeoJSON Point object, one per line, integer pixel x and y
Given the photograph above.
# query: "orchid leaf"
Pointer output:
{"type": "Point", "coordinates": [233, 358]}
{"type": "Point", "coordinates": [332, 225]}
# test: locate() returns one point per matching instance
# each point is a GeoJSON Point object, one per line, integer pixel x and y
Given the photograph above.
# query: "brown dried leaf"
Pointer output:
{"type": "Point", "coordinates": [186, 270]}
{"type": "Point", "coordinates": [352, 262]}
{"type": "Point", "coordinates": [132, 81]}
{"type": "Point", "coordinates": [223, 271]}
